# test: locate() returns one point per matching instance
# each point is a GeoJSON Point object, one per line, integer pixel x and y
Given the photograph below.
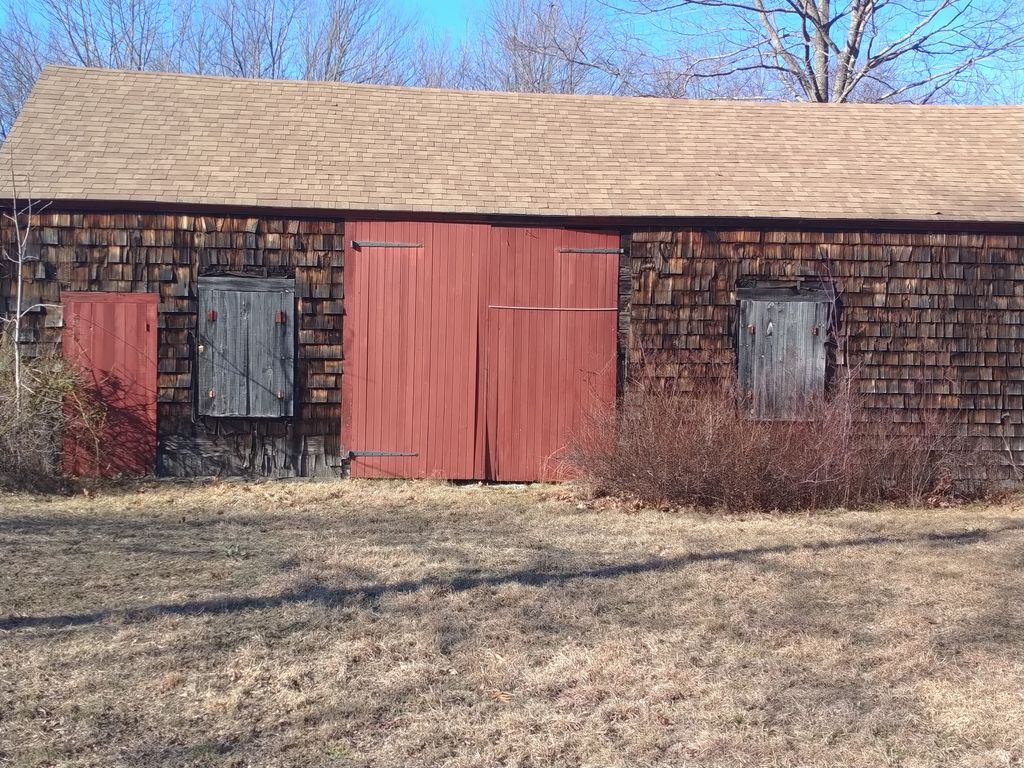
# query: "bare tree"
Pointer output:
{"type": "Point", "coordinates": [846, 50]}
{"type": "Point", "coordinates": [357, 41]}
{"type": "Point", "coordinates": [122, 34]}
{"type": "Point", "coordinates": [193, 37]}
{"type": "Point", "coordinates": [15, 252]}
{"type": "Point", "coordinates": [689, 73]}
{"type": "Point", "coordinates": [43, 397]}
{"type": "Point", "coordinates": [549, 46]}
{"type": "Point", "coordinates": [253, 38]}
{"type": "Point", "coordinates": [438, 62]}
{"type": "Point", "coordinates": [22, 58]}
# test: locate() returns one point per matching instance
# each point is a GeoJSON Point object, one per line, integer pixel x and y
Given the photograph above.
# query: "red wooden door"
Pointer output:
{"type": "Point", "coordinates": [411, 338]}
{"type": "Point", "coordinates": [474, 352]}
{"type": "Point", "coordinates": [111, 338]}
{"type": "Point", "coordinates": [551, 344]}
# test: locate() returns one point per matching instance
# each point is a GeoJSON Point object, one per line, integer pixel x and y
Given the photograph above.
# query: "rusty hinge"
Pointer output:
{"type": "Point", "coordinates": [211, 315]}
{"type": "Point", "coordinates": [279, 318]}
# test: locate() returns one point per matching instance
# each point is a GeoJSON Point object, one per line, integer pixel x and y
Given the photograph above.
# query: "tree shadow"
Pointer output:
{"type": "Point", "coordinates": [468, 580]}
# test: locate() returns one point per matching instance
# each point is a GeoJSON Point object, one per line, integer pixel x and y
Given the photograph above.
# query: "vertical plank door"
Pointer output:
{"type": "Point", "coordinates": [782, 355]}
{"type": "Point", "coordinates": [410, 385]}
{"type": "Point", "coordinates": [111, 339]}
{"type": "Point", "coordinates": [551, 347]}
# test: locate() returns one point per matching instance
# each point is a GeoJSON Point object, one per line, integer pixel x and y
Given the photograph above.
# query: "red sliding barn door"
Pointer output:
{"type": "Point", "coordinates": [471, 351]}
{"type": "Point", "coordinates": [551, 344]}
{"type": "Point", "coordinates": [111, 339]}
{"type": "Point", "coordinates": [412, 305]}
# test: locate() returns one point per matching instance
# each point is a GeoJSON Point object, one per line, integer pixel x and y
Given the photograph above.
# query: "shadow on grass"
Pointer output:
{"type": "Point", "coordinates": [527, 577]}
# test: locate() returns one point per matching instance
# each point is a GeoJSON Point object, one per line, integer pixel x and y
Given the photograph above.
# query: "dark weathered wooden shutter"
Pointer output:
{"type": "Point", "coordinates": [781, 354]}
{"type": "Point", "coordinates": [246, 347]}
{"type": "Point", "coordinates": [271, 352]}
{"type": "Point", "coordinates": [221, 353]}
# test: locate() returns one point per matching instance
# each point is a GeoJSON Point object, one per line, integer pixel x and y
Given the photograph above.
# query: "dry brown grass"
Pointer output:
{"type": "Point", "coordinates": [408, 624]}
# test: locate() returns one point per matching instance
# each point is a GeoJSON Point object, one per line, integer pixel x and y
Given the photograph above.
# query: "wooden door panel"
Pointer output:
{"type": "Point", "coordinates": [410, 383]}
{"type": "Point", "coordinates": [552, 344]}
{"type": "Point", "coordinates": [111, 339]}
{"type": "Point", "coordinates": [471, 351]}
{"type": "Point", "coordinates": [782, 356]}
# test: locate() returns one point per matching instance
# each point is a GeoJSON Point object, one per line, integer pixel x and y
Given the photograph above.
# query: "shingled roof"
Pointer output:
{"type": "Point", "coordinates": [134, 137]}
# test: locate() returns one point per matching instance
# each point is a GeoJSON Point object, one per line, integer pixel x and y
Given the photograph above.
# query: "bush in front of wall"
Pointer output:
{"type": "Point", "coordinates": [701, 449]}
{"type": "Point", "coordinates": [54, 401]}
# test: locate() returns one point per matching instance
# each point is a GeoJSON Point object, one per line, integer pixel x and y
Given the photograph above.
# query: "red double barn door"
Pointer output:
{"type": "Point", "coordinates": [471, 351]}
{"type": "Point", "coordinates": [111, 339]}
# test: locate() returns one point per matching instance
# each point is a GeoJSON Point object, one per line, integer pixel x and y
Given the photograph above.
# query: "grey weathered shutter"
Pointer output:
{"type": "Point", "coordinates": [271, 353]}
{"type": "Point", "coordinates": [246, 347]}
{"type": "Point", "coordinates": [781, 355]}
{"type": "Point", "coordinates": [222, 368]}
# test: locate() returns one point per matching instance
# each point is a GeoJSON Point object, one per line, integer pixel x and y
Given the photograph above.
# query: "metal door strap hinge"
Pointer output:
{"type": "Point", "coordinates": [356, 454]}
{"type": "Point", "coordinates": [590, 250]}
{"type": "Point", "coordinates": [555, 309]}
{"type": "Point", "coordinates": [383, 244]}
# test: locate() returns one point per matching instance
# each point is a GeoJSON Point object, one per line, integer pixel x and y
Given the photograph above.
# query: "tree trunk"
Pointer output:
{"type": "Point", "coordinates": [821, 51]}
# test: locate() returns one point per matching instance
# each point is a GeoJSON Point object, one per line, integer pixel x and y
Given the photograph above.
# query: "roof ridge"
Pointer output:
{"type": "Point", "coordinates": [523, 95]}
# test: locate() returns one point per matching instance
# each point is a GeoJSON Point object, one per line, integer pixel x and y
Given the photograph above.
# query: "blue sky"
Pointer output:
{"type": "Point", "coordinates": [446, 16]}
{"type": "Point", "coordinates": [455, 17]}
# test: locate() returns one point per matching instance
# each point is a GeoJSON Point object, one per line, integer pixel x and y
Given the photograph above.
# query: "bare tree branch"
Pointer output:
{"type": "Point", "coordinates": [840, 50]}
{"type": "Point", "coordinates": [438, 62]}
{"type": "Point", "coordinates": [358, 41]}
{"type": "Point", "coordinates": [549, 46]}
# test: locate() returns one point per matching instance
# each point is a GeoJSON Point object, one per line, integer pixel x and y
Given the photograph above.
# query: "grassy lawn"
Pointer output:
{"type": "Point", "coordinates": [409, 624]}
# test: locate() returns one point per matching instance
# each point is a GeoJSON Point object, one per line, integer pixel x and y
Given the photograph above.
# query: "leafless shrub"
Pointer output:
{"type": "Point", "coordinates": [701, 449]}
{"type": "Point", "coordinates": [56, 402]}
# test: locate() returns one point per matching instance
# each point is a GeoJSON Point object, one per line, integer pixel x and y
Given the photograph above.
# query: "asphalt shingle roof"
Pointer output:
{"type": "Point", "coordinates": [114, 136]}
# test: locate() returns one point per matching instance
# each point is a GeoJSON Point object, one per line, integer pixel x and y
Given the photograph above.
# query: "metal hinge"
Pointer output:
{"type": "Point", "coordinates": [590, 250]}
{"type": "Point", "coordinates": [553, 309]}
{"type": "Point", "coordinates": [356, 454]}
{"type": "Point", "coordinates": [383, 244]}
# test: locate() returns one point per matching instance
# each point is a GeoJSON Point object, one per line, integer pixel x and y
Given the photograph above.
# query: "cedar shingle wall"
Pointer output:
{"type": "Point", "coordinates": [931, 320]}
{"type": "Point", "coordinates": [166, 254]}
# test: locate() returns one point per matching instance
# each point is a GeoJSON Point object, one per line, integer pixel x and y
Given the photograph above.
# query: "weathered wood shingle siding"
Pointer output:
{"type": "Point", "coordinates": [931, 320]}
{"type": "Point", "coordinates": [166, 254]}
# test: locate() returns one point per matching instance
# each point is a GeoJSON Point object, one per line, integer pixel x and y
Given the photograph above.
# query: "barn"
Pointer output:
{"type": "Point", "coordinates": [304, 279]}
